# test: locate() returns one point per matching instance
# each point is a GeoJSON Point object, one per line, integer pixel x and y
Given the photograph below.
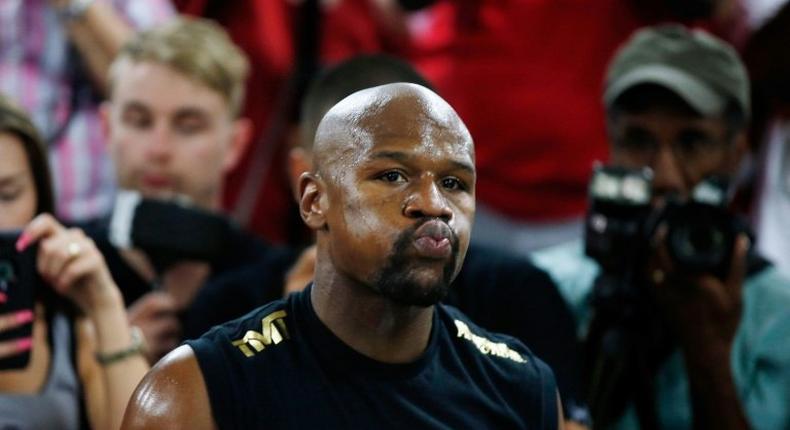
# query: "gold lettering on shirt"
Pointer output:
{"type": "Point", "coordinates": [273, 331]}
{"type": "Point", "coordinates": [486, 346]}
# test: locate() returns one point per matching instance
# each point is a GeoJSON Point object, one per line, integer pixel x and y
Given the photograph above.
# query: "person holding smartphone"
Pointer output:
{"type": "Point", "coordinates": [84, 359]}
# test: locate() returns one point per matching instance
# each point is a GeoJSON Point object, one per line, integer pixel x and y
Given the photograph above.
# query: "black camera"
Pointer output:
{"type": "Point", "coordinates": [620, 223]}
{"type": "Point", "coordinates": [626, 337]}
{"type": "Point", "coordinates": [168, 231]}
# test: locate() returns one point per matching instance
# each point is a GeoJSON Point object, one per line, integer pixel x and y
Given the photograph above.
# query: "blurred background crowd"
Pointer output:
{"type": "Point", "coordinates": [526, 76]}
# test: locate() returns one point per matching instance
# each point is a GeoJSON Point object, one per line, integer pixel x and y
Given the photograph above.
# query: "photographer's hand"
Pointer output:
{"type": "Point", "coordinates": [70, 262]}
{"type": "Point", "coordinates": [11, 321]}
{"type": "Point", "coordinates": [704, 312]}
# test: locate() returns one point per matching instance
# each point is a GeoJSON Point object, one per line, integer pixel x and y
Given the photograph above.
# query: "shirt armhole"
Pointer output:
{"type": "Point", "coordinates": [217, 376]}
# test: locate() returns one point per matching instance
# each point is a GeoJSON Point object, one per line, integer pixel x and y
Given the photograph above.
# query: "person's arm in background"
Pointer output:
{"type": "Point", "coordinates": [98, 31]}
{"type": "Point", "coordinates": [70, 262]}
{"type": "Point", "coordinates": [704, 312]}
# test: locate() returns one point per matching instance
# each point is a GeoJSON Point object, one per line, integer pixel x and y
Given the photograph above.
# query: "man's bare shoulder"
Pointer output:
{"type": "Point", "coordinates": [172, 395]}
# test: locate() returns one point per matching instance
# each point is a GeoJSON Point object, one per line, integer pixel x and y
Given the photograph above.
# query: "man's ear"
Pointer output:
{"type": "Point", "coordinates": [241, 134]}
{"type": "Point", "coordinates": [298, 162]}
{"type": "Point", "coordinates": [312, 201]}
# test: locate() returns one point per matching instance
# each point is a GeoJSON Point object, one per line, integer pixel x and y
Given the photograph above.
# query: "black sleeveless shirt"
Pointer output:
{"type": "Point", "coordinates": [280, 367]}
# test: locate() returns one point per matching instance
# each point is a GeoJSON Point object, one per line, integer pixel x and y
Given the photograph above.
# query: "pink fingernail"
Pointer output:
{"type": "Point", "coordinates": [22, 242]}
{"type": "Point", "coordinates": [25, 316]}
{"type": "Point", "coordinates": [24, 344]}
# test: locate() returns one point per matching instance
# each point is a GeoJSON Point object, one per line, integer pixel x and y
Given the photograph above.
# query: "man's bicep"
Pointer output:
{"type": "Point", "coordinates": [172, 395]}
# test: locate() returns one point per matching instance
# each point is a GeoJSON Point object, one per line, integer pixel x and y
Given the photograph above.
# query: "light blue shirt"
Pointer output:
{"type": "Point", "coordinates": [760, 357]}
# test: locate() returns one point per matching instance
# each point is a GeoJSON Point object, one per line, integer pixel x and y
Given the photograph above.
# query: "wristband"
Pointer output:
{"type": "Point", "coordinates": [136, 347]}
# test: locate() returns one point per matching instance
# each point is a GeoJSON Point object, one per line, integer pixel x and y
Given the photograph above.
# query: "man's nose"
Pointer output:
{"type": "Point", "coordinates": [158, 145]}
{"type": "Point", "coordinates": [427, 200]}
{"type": "Point", "coordinates": [669, 177]}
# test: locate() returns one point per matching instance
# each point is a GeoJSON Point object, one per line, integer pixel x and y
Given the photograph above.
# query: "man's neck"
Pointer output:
{"type": "Point", "coordinates": [369, 323]}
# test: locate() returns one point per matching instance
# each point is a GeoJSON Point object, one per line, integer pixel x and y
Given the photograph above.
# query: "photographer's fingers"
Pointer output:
{"type": "Point", "coordinates": [15, 319]}
{"type": "Point", "coordinates": [738, 267]}
{"type": "Point", "coordinates": [660, 263]}
{"type": "Point", "coordinates": [10, 348]}
{"type": "Point", "coordinates": [75, 269]}
{"type": "Point", "coordinates": [10, 321]}
{"type": "Point", "coordinates": [727, 293]}
{"type": "Point", "coordinates": [42, 226]}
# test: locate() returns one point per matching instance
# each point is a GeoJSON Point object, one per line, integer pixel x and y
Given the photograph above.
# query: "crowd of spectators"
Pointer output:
{"type": "Point", "coordinates": [156, 158]}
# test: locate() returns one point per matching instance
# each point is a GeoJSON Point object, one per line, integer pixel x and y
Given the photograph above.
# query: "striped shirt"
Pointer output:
{"type": "Point", "coordinates": [40, 72]}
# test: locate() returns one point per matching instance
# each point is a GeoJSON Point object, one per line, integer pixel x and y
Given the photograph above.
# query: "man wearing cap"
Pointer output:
{"type": "Point", "coordinates": [678, 102]}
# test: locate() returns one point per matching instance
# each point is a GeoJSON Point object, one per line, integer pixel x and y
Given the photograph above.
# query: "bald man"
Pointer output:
{"type": "Point", "coordinates": [391, 198]}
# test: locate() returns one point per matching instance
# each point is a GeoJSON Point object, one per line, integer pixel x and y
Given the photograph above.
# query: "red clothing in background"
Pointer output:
{"type": "Point", "coordinates": [264, 30]}
{"type": "Point", "coordinates": [526, 78]}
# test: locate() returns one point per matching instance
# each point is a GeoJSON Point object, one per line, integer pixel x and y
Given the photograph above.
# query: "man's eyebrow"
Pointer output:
{"type": "Point", "coordinates": [394, 155]}
{"type": "Point", "coordinates": [190, 111]}
{"type": "Point", "coordinates": [404, 157]}
{"type": "Point", "coordinates": [133, 104]}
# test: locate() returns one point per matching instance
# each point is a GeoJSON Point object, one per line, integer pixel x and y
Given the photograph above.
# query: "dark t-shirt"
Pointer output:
{"type": "Point", "coordinates": [506, 293]}
{"type": "Point", "coordinates": [280, 367]}
{"type": "Point", "coordinates": [498, 290]}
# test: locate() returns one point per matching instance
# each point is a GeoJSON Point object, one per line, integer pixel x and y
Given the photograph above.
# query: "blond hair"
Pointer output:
{"type": "Point", "coordinates": [195, 47]}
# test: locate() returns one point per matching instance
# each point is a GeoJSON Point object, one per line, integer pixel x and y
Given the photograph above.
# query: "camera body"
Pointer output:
{"type": "Point", "coordinates": [626, 336]}
{"type": "Point", "coordinates": [621, 223]}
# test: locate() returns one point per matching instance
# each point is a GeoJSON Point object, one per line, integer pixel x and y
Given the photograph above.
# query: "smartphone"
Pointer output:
{"type": "Point", "coordinates": [168, 231]}
{"type": "Point", "coordinates": [19, 281]}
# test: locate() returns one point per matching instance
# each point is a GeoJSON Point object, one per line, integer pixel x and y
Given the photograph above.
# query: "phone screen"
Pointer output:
{"type": "Point", "coordinates": [18, 281]}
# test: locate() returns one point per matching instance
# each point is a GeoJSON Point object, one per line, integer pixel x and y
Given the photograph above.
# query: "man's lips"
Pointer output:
{"type": "Point", "coordinates": [156, 181]}
{"type": "Point", "coordinates": [433, 240]}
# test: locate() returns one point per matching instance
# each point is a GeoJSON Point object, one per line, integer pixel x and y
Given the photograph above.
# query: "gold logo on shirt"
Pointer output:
{"type": "Point", "coordinates": [273, 331]}
{"type": "Point", "coordinates": [486, 346]}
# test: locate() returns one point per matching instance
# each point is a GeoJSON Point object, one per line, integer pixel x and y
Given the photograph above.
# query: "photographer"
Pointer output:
{"type": "Point", "coordinates": [79, 352]}
{"type": "Point", "coordinates": [670, 344]}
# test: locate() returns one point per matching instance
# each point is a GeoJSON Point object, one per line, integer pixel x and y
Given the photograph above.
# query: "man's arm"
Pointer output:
{"type": "Point", "coordinates": [172, 395]}
{"type": "Point", "coordinates": [98, 34]}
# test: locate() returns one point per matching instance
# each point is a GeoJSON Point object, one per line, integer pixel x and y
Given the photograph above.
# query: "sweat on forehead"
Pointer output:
{"type": "Point", "coordinates": [399, 109]}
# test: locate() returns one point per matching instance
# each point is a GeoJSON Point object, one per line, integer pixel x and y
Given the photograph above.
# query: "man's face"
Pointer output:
{"type": "Point", "coordinates": [681, 150]}
{"type": "Point", "coordinates": [401, 209]}
{"type": "Point", "coordinates": [170, 135]}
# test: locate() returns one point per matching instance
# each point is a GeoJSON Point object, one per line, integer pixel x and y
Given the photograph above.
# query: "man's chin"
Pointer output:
{"type": "Point", "coordinates": [413, 291]}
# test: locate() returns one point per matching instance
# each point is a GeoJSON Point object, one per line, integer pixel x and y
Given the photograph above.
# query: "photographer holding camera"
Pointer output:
{"type": "Point", "coordinates": [683, 325]}
{"type": "Point", "coordinates": [68, 357]}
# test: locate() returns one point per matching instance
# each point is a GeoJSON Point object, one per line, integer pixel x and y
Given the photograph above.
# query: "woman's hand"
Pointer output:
{"type": "Point", "coordinates": [70, 262]}
{"type": "Point", "coordinates": [11, 321]}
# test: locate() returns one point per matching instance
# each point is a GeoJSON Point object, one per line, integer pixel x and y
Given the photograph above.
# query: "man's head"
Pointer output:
{"type": "Point", "coordinates": [333, 85]}
{"type": "Point", "coordinates": [678, 102]}
{"type": "Point", "coordinates": [391, 193]}
{"type": "Point", "coordinates": [173, 118]}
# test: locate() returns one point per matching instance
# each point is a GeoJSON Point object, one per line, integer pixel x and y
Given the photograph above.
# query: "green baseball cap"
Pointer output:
{"type": "Point", "coordinates": [699, 67]}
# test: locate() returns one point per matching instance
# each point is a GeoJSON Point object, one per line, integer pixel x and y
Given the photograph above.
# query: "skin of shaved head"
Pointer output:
{"type": "Point", "coordinates": [411, 110]}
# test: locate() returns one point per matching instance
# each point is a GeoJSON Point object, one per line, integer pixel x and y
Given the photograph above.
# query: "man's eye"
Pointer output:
{"type": "Point", "coordinates": [190, 127]}
{"type": "Point", "coordinates": [695, 145]}
{"type": "Point", "coordinates": [393, 176]}
{"type": "Point", "coordinates": [453, 184]}
{"type": "Point", "coordinates": [136, 119]}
